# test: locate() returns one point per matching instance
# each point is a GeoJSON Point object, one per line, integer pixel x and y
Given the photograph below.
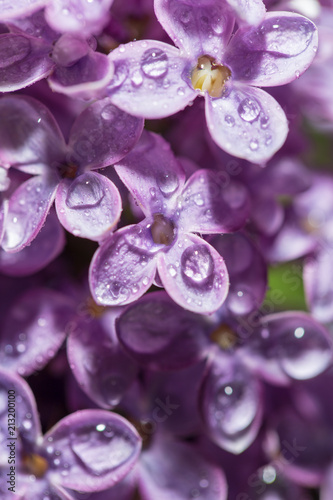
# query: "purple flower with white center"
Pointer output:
{"type": "Point", "coordinates": [153, 79]}
{"type": "Point", "coordinates": [190, 269]}
{"type": "Point", "coordinates": [89, 450]}
{"type": "Point", "coordinates": [32, 51]}
{"type": "Point", "coordinates": [80, 17]}
{"type": "Point", "coordinates": [88, 204]}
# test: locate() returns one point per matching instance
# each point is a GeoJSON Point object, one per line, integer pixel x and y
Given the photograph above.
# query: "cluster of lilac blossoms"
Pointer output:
{"type": "Point", "coordinates": [166, 260]}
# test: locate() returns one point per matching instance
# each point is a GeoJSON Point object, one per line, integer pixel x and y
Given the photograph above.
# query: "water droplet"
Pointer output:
{"type": "Point", "coordinates": [264, 122]}
{"type": "Point", "coordinates": [27, 424]}
{"type": "Point", "coordinates": [121, 49]}
{"type": "Point", "coordinates": [145, 281]}
{"type": "Point", "coordinates": [100, 427]}
{"type": "Point", "coordinates": [84, 192]}
{"type": "Point", "coordinates": [198, 200]}
{"type": "Point", "coordinates": [154, 63]}
{"type": "Point", "coordinates": [249, 110]}
{"type": "Point", "coordinates": [172, 270]}
{"type": "Point", "coordinates": [241, 301]}
{"type": "Point", "coordinates": [181, 91]}
{"type": "Point", "coordinates": [230, 120]}
{"type": "Point", "coordinates": [152, 192]}
{"type": "Point", "coordinates": [197, 264]}
{"type": "Point", "coordinates": [254, 145]}
{"type": "Point", "coordinates": [136, 79]}
{"type": "Point", "coordinates": [167, 182]}
{"type": "Point", "coordinates": [297, 74]}
{"type": "Point", "coordinates": [184, 14]}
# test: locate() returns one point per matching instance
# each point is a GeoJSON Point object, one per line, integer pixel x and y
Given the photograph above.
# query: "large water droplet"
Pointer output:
{"type": "Point", "coordinates": [167, 182]}
{"type": "Point", "coordinates": [154, 63]}
{"type": "Point", "coordinates": [249, 110]}
{"type": "Point", "coordinates": [197, 264]}
{"type": "Point", "coordinates": [84, 192]}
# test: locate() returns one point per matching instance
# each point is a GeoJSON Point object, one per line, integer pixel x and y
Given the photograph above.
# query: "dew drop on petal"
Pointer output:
{"type": "Point", "coordinates": [197, 264]}
{"type": "Point", "coordinates": [167, 182]}
{"type": "Point", "coordinates": [248, 110]}
{"type": "Point", "coordinates": [254, 145]}
{"type": "Point", "coordinates": [230, 120]}
{"type": "Point", "coordinates": [84, 192]}
{"type": "Point", "coordinates": [154, 63]}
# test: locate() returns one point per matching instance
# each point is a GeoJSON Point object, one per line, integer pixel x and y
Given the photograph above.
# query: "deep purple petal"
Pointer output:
{"type": "Point", "coordinates": [152, 174]}
{"type": "Point", "coordinates": [161, 335]}
{"type": "Point", "coordinates": [99, 363]}
{"type": "Point", "coordinates": [249, 12]}
{"type": "Point", "coordinates": [207, 206]}
{"type": "Point", "coordinates": [97, 449]}
{"type": "Point", "coordinates": [318, 284]}
{"type": "Point", "coordinates": [89, 206]}
{"type": "Point", "coordinates": [172, 469]}
{"type": "Point", "coordinates": [33, 330]}
{"type": "Point", "coordinates": [198, 27]}
{"type": "Point", "coordinates": [47, 245]}
{"type": "Point", "coordinates": [267, 214]}
{"type": "Point", "coordinates": [30, 136]}
{"type": "Point", "coordinates": [103, 134]}
{"type": "Point", "coordinates": [24, 60]}
{"type": "Point", "coordinates": [123, 268]}
{"type": "Point", "coordinates": [274, 53]}
{"type": "Point", "coordinates": [194, 274]}
{"type": "Point", "coordinates": [27, 211]}
{"type": "Point", "coordinates": [231, 404]}
{"type": "Point", "coordinates": [247, 123]}
{"type": "Point", "coordinates": [151, 79]}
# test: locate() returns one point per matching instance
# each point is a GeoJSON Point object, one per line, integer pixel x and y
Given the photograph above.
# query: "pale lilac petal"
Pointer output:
{"type": "Point", "coordinates": [27, 211]}
{"type": "Point", "coordinates": [318, 284]}
{"type": "Point", "coordinates": [89, 206]}
{"type": "Point", "coordinates": [198, 27]}
{"type": "Point", "coordinates": [24, 60]}
{"type": "Point", "coordinates": [3, 215]}
{"type": "Point", "coordinates": [231, 404]}
{"type": "Point", "coordinates": [247, 123]}
{"type": "Point", "coordinates": [151, 79]}
{"type": "Point", "coordinates": [103, 135]}
{"type": "Point", "coordinates": [208, 206]}
{"type": "Point", "coordinates": [248, 11]}
{"type": "Point", "coordinates": [47, 245]}
{"type": "Point", "coordinates": [33, 330]}
{"type": "Point", "coordinates": [86, 79]}
{"type": "Point", "coordinates": [33, 25]}
{"type": "Point", "coordinates": [302, 346]}
{"type": "Point", "coordinates": [152, 174]}
{"type": "Point", "coordinates": [19, 8]}
{"type": "Point", "coordinates": [276, 52]}
{"type": "Point", "coordinates": [81, 17]}
{"type": "Point", "coordinates": [30, 137]}
{"type": "Point", "coordinates": [171, 469]}
{"type": "Point", "coordinates": [99, 363]}
{"type": "Point", "coordinates": [194, 274]}
{"type": "Point", "coordinates": [97, 449]}
{"type": "Point", "coordinates": [124, 266]}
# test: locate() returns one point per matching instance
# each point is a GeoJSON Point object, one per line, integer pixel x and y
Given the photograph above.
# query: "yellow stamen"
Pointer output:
{"type": "Point", "coordinates": [208, 76]}
{"type": "Point", "coordinates": [224, 336]}
{"type": "Point", "coordinates": [35, 464]}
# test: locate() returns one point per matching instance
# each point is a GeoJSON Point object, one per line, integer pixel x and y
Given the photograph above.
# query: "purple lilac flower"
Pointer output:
{"type": "Point", "coordinates": [89, 450]}
{"type": "Point", "coordinates": [88, 204]}
{"type": "Point", "coordinates": [154, 80]}
{"type": "Point", "coordinates": [191, 270]}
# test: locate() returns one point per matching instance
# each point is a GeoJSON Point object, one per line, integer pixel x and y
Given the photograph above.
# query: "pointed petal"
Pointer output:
{"type": "Point", "coordinates": [198, 27]}
{"type": "Point", "coordinates": [150, 79]}
{"type": "Point", "coordinates": [47, 245]}
{"type": "Point", "coordinates": [97, 448]}
{"type": "Point", "coordinates": [173, 469]}
{"type": "Point", "coordinates": [103, 134]}
{"type": "Point", "coordinates": [159, 334]}
{"type": "Point", "coordinates": [24, 60]}
{"type": "Point", "coordinates": [274, 53]}
{"type": "Point", "coordinates": [89, 206]}
{"type": "Point", "coordinates": [208, 206]}
{"type": "Point", "coordinates": [194, 274]}
{"type": "Point", "coordinates": [231, 404]}
{"type": "Point", "coordinates": [152, 174]}
{"type": "Point", "coordinates": [99, 363]}
{"type": "Point", "coordinates": [301, 344]}
{"type": "Point", "coordinates": [30, 137]}
{"type": "Point", "coordinates": [247, 123]}
{"type": "Point", "coordinates": [33, 330]}
{"type": "Point", "coordinates": [27, 211]}
{"type": "Point", "coordinates": [248, 11]}
{"type": "Point", "coordinates": [123, 268]}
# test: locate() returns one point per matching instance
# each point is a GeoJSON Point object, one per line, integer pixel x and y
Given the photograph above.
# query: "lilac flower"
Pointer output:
{"type": "Point", "coordinates": [89, 450]}
{"type": "Point", "coordinates": [32, 51]}
{"type": "Point", "coordinates": [88, 204]}
{"type": "Point", "coordinates": [154, 80]}
{"type": "Point", "coordinates": [191, 270]}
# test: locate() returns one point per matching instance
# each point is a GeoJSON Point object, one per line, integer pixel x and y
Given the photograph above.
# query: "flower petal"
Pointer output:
{"type": "Point", "coordinates": [198, 27]}
{"type": "Point", "coordinates": [27, 211]}
{"type": "Point", "coordinates": [151, 79]}
{"type": "Point", "coordinates": [103, 134]}
{"type": "Point", "coordinates": [208, 206]}
{"type": "Point", "coordinates": [89, 206]}
{"type": "Point", "coordinates": [247, 123]}
{"type": "Point", "coordinates": [274, 53]}
{"type": "Point", "coordinates": [24, 60]}
{"type": "Point", "coordinates": [194, 274]}
{"type": "Point", "coordinates": [249, 12]}
{"type": "Point", "coordinates": [123, 268]}
{"type": "Point", "coordinates": [318, 284]}
{"type": "Point", "coordinates": [97, 449]}
{"type": "Point", "coordinates": [152, 174]}
{"type": "Point", "coordinates": [19, 8]}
